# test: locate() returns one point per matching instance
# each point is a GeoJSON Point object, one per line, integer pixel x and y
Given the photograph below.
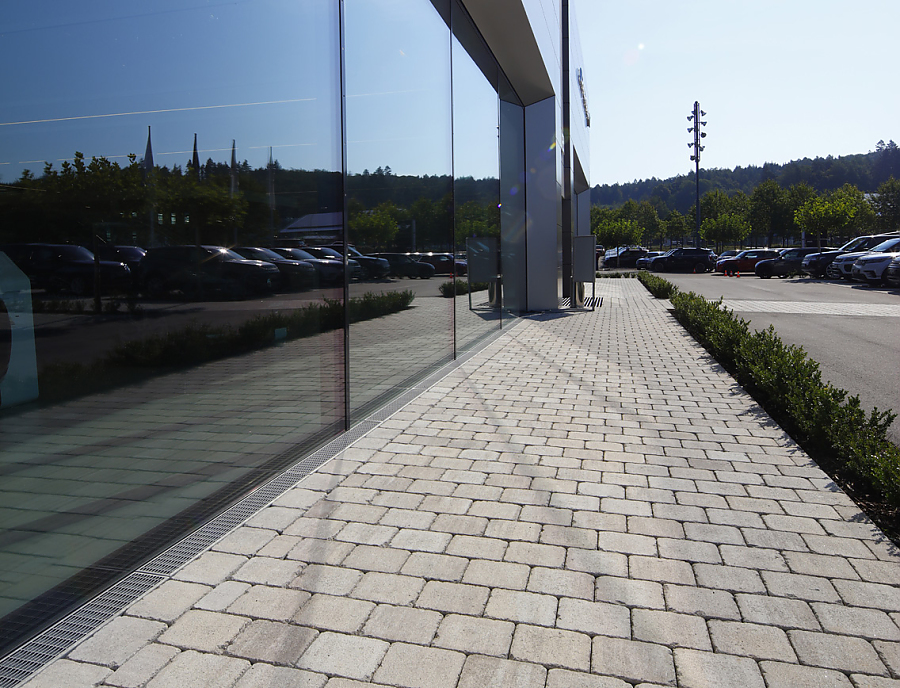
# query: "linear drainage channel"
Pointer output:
{"type": "Point", "coordinates": [23, 662]}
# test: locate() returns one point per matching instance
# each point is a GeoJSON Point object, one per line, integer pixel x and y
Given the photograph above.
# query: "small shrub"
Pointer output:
{"type": "Point", "coordinates": [656, 285]}
{"type": "Point", "coordinates": [459, 287]}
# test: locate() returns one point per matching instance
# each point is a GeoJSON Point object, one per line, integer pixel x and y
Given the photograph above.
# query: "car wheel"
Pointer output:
{"type": "Point", "coordinates": [765, 274]}
{"type": "Point", "coordinates": [699, 268]}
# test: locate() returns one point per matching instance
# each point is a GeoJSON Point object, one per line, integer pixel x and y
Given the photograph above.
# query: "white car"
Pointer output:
{"type": "Point", "coordinates": [870, 267]}
{"type": "Point", "coordinates": [842, 266]}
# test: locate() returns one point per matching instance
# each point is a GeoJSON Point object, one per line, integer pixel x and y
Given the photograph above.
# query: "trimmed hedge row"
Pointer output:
{"type": "Point", "coordinates": [830, 425]}
{"type": "Point", "coordinates": [460, 287]}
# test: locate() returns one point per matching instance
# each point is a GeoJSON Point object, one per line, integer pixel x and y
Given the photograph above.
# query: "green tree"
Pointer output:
{"type": "Point", "coordinates": [887, 205]}
{"type": "Point", "coordinates": [769, 211]}
{"type": "Point", "coordinates": [729, 228]}
{"type": "Point", "coordinates": [374, 228]}
{"type": "Point", "coordinates": [676, 226]}
{"type": "Point", "coordinates": [612, 233]}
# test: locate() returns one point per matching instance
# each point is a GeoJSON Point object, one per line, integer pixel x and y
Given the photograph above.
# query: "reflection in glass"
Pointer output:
{"type": "Point", "coordinates": [399, 185]}
{"type": "Point", "coordinates": [477, 197]}
{"type": "Point", "coordinates": [138, 143]}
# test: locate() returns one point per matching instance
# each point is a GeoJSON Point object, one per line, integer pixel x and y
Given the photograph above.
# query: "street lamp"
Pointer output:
{"type": "Point", "coordinates": [694, 118]}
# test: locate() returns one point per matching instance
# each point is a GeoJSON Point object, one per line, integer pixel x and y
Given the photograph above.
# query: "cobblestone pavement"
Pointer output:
{"type": "Point", "coordinates": [885, 310]}
{"type": "Point", "coordinates": [588, 502]}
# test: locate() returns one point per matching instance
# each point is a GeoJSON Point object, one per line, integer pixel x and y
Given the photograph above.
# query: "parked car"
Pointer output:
{"type": "Point", "coordinates": [816, 264]}
{"type": "Point", "coordinates": [329, 271]}
{"type": "Point", "coordinates": [130, 255]}
{"type": "Point", "coordinates": [201, 271]}
{"type": "Point", "coordinates": [892, 273]}
{"type": "Point", "coordinates": [842, 266]}
{"type": "Point", "coordinates": [644, 263]}
{"type": "Point", "coordinates": [404, 265]}
{"type": "Point", "coordinates": [372, 266]}
{"type": "Point", "coordinates": [730, 253]}
{"type": "Point", "coordinates": [65, 267]}
{"type": "Point", "coordinates": [623, 256]}
{"type": "Point", "coordinates": [292, 273]}
{"type": "Point", "coordinates": [686, 260]}
{"type": "Point", "coordinates": [327, 253]}
{"type": "Point", "coordinates": [745, 261]}
{"type": "Point", "coordinates": [786, 263]}
{"type": "Point", "coordinates": [870, 267]}
{"type": "Point", "coordinates": [443, 263]}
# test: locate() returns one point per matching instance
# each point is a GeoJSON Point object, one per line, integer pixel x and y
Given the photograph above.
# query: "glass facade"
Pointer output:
{"type": "Point", "coordinates": [224, 241]}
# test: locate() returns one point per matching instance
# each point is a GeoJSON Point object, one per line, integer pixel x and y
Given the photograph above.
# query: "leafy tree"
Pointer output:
{"type": "Point", "coordinates": [730, 228]}
{"type": "Point", "coordinates": [676, 226]}
{"type": "Point", "coordinates": [714, 204]}
{"type": "Point", "coordinates": [618, 233]}
{"type": "Point", "coordinates": [769, 210]}
{"type": "Point", "coordinates": [887, 205]}
{"type": "Point", "coordinates": [858, 215]}
{"type": "Point", "coordinates": [373, 228]}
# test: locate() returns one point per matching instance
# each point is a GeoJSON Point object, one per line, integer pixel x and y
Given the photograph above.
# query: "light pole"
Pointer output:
{"type": "Point", "coordinates": [694, 118]}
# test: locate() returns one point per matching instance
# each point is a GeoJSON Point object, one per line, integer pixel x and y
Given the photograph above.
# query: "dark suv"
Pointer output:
{"type": "Point", "coordinates": [64, 267]}
{"type": "Point", "coordinates": [787, 263]}
{"type": "Point", "coordinates": [200, 271]}
{"type": "Point", "coordinates": [685, 260]}
{"type": "Point", "coordinates": [816, 264]}
{"type": "Point", "coordinates": [405, 265]}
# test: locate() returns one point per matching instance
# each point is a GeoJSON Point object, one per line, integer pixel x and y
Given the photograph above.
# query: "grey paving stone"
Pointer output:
{"type": "Point", "coordinates": [868, 623]}
{"type": "Point", "coordinates": [477, 547]}
{"type": "Point", "coordinates": [689, 550]}
{"type": "Point", "coordinates": [169, 601]}
{"type": "Point", "coordinates": [836, 652]}
{"type": "Point", "coordinates": [627, 543]}
{"type": "Point", "coordinates": [563, 678]}
{"type": "Point", "coordinates": [272, 642]}
{"type": "Point", "coordinates": [421, 541]}
{"type": "Point", "coordinates": [383, 559]}
{"type": "Point", "coordinates": [561, 583]}
{"type": "Point", "coordinates": [333, 613]}
{"type": "Point", "coordinates": [733, 578]}
{"type": "Point", "coordinates": [413, 666]}
{"type": "Point", "coordinates": [210, 568]}
{"type": "Point", "coordinates": [713, 670]}
{"type": "Point", "coordinates": [551, 647]}
{"type": "Point", "coordinates": [316, 551]}
{"type": "Point", "coordinates": [475, 635]}
{"type": "Point", "coordinates": [435, 566]}
{"type": "Point", "coordinates": [662, 570]}
{"type": "Point", "coordinates": [753, 558]}
{"type": "Point", "coordinates": [703, 602]}
{"type": "Point", "coordinates": [69, 674]}
{"type": "Point", "coordinates": [670, 629]}
{"type": "Point", "coordinates": [593, 618]}
{"type": "Point", "coordinates": [778, 611]}
{"type": "Point", "coordinates": [202, 630]}
{"type": "Point", "coordinates": [497, 574]}
{"type": "Point", "coordinates": [266, 571]}
{"type": "Point", "coordinates": [349, 656]}
{"type": "Point", "coordinates": [596, 562]}
{"type": "Point", "coordinates": [751, 640]}
{"type": "Point", "coordinates": [874, 571]}
{"type": "Point", "coordinates": [873, 595]}
{"type": "Point", "coordinates": [479, 672]}
{"type": "Point", "coordinates": [117, 641]}
{"type": "Point", "coordinates": [810, 588]}
{"type": "Point", "coordinates": [389, 588]}
{"type": "Point", "coordinates": [366, 534]}
{"type": "Point", "coordinates": [820, 565]}
{"type": "Point", "coordinates": [244, 540]}
{"type": "Point", "coordinates": [889, 654]}
{"type": "Point", "coordinates": [453, 598]}
{"type": "Point", "coordinates": [655, 527]}
{"type": "Point", "coordinates": [221, 596]}
{"type": "Point", "coordinates": [331, 580]}
{"type": "Point", "coordinates": [779, 675]}
{"type": "Point", "coordinates": [631, 593]}
{"type": "Point", "coordinates": [633, 661]}
{"type": "Point", "coordinates": [268, 676]}
{"type": "Point", "coordinates": [265, 602]}
{"type": "Point", "coordinates": [142, 666]}
{"type": "Point", "coordinates": [862, 681]}
{"type": "Point", "coordinates": [405, 624]}
{"type": "Point", "coordinates": [199, 670]}
{"type": "Point", "coordinates": [522, 607]}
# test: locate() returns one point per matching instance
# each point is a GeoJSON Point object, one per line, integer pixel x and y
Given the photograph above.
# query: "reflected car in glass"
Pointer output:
{"type": "Point", "coordinates": [443, 263]}
{"type": "Point", "coordinates": [405, 265]}
{"type": "Point", "coordinates": [201, 271]}
{"type": "Point", "coordinates": [293, 274]}
{"type": "Point", "coordinates": [329, 272]}
{"type": "Point", "coordinates": [624, 256]}
{"type": "Point", "coordinates": [67, 268]}
{"type": "Point", "coordinates": [326, 253]}
{"type": "Point", "coordinates": [787, 263]}
{"type": "Point", "coordinates": [371, 267]}
{"type": "Point", "coordinates": [644, 263]}
{"type": "Point", "coordinates": [697, 260]}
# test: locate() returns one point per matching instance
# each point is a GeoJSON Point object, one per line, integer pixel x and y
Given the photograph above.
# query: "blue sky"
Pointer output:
{"type": "Point", "coordinates": [779, 80]}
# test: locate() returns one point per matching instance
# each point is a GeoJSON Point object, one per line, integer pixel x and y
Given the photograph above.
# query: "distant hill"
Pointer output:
{"type": "Point", "coordinates": [864, 170]}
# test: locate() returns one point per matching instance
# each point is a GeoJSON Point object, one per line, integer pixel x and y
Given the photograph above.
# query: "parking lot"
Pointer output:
{"type": "Point", "coordinates": [850, 329]}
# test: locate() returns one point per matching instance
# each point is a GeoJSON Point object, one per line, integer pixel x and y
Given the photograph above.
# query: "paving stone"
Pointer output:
{"type": "Point", "coordinates": [169, 601]}
{"type": "Point", "coordinates": [597, 563]}
{"type": "Point", "coordinates": [868, 623]}
{"type": "Point", "coordinates": [862, 681]}
{"type": "Point", "coordinates": [670, 629]}
{"type": "Point", "coordinates": [497, 574]}
{"type": "Point", "coordinates": [873, 595]}
{"type": "Point", "coordinates": [708, 532]}
{"type": "Point", "coordinates": [731, 578]}
{"type": "Point", "coordinates": [69, 674]}
{"type": "Point", "coordinates": [388, 588]}
{"type": "Point", "coordinates": [117, 641]}
{"type": "Point", "coordinates": [774, 539]}
{"type": "Point", "coordinates": [476, 547]}
{"type": "Point", "coordinates": [331, 580]}
{"type": "Point", "coordinates": [210, 568]}
{"type": "Point", "coordinates": [751, 640]}
{"type": "Point", "coordinates": [551, 647]}
{"type": "Point", "coordinates": [244, 540]}
{"type": "Point", "coordinates": [631, 593]}
{"type": "Point", "coordinates": [627, 543]}
{"type": "Point", "coordinates": [780, 675]}
{"type": "Point", "coordinates": [413, 666]}
{"type": "Point", "coordinates": [435, 566]}
{"type": "Point", "coordinates": [522, 607]}
{"type": "Point", "coordinates": [267, 676]}
{"type": "Point", "coordinates": [836, 652]}
{"type": "Point", "coordinates": [877, 571]}
{"type": "Point", "coordinates": [561, 583]}
{"type": "Point", "coordinates": [689, 550]}
{"type": "Point", "coordinates": [479, 672]}
{"type": "Point", "coordinates": [820, 565]}
{"type": "Point", "coordinates": [266, 571]}
{"type": "Point", "coordinates": [383, 559]}
{"type": "Point", "coordinates": [332, 613]}
{"type": "Point", "coordinates": [199, 670]}
{"type": "Point", "coordinates": [810, 588]}
{"type": "Point", "coordinates": [563, 678]}
{"type": "Point", "coordinates": [453, 598]}
{"type": "Point", "coordinates": [890, 655]}
{"type": "Point", "coordinates": [662, 570]}
{"type": "Point", "coordinates": [142, 666]}
{"type": "Point", "coordinates": [350, 656]}
{"type": "Point", "coordinates": [405, 624]}
{"type": "Point", "coordinates": [535, 554]}
{"type": "Point", "coordinates": [266, 602]}
{"type": "Point", "coordinates": [366, 534]}
{"type": "Point", "coordinates": [711, 604]}
{"type": "Point", "coordinates": [202, 630]}
{"type": "Point", "coordinates": [655, 527]}
{"type": "Point", "coordinates": [840, 546]}
{"type": "Point", "coordinates": [778, 611]}
{"type": "Point", "coordinates": [272, 642]}
{"type": "Point", "coordinates": [633, 661]}
{"type": "Point", "coordinates": [713, 670]}
{"type": "Point", "coordinates": [315, 551]}
{"type": "Point", "coordinates": [593, 618]}
{"type": "Point", "coordinates": [421, 541]}
{"type": "Point", "coordinates": [474, 635]}
{"type": "Point", "coordinates": [753, 558]}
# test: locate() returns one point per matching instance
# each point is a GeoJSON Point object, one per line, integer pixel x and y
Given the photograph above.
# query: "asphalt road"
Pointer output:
{"type": "Point", "coordinates": [851, 330]}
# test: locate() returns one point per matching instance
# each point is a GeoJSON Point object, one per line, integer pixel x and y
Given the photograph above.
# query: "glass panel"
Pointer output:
{"type": "Point", "coordinates": [476, 160]}
{"type": "Point", "coordinates": [142, 391]}
{"type": "Point", "coordinates": [399, 183]}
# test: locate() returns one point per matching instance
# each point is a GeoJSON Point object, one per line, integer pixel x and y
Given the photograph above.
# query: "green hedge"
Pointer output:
{"type": "Point", "coordinates": [656, 285]}
{"type": "Point", "coordinates": [200, 343]}
{"type": "Point", "coordinates": [830, 425]}
{"type": "Point", "coordinates": [460, 287]}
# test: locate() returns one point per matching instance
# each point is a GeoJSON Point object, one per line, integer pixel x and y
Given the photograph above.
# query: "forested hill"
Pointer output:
{"type": "Point", "coordinates": [865, 171]}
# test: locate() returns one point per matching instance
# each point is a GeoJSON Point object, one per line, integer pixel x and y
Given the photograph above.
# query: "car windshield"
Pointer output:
{"type": "Point", "coordinates": [299, 254]}
{"type": "Point", "coordinates": [228, 254]}
{"type": "Point", "coordinates": [886, 246]}
{"type": "Point", "coordinates": [131, 252]}
{"type": "Point", "coordinates": [265, 254]}
{"type": "Point", "coordinates": [326, 253]}
{"type": "Point", "coordinates": [74, 253]}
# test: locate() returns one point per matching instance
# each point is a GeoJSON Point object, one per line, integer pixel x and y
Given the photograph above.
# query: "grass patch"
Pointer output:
{"type": "Point", "coordinates": [850, 444]}
{"type": "Point", "coordinates": [459, 287]}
